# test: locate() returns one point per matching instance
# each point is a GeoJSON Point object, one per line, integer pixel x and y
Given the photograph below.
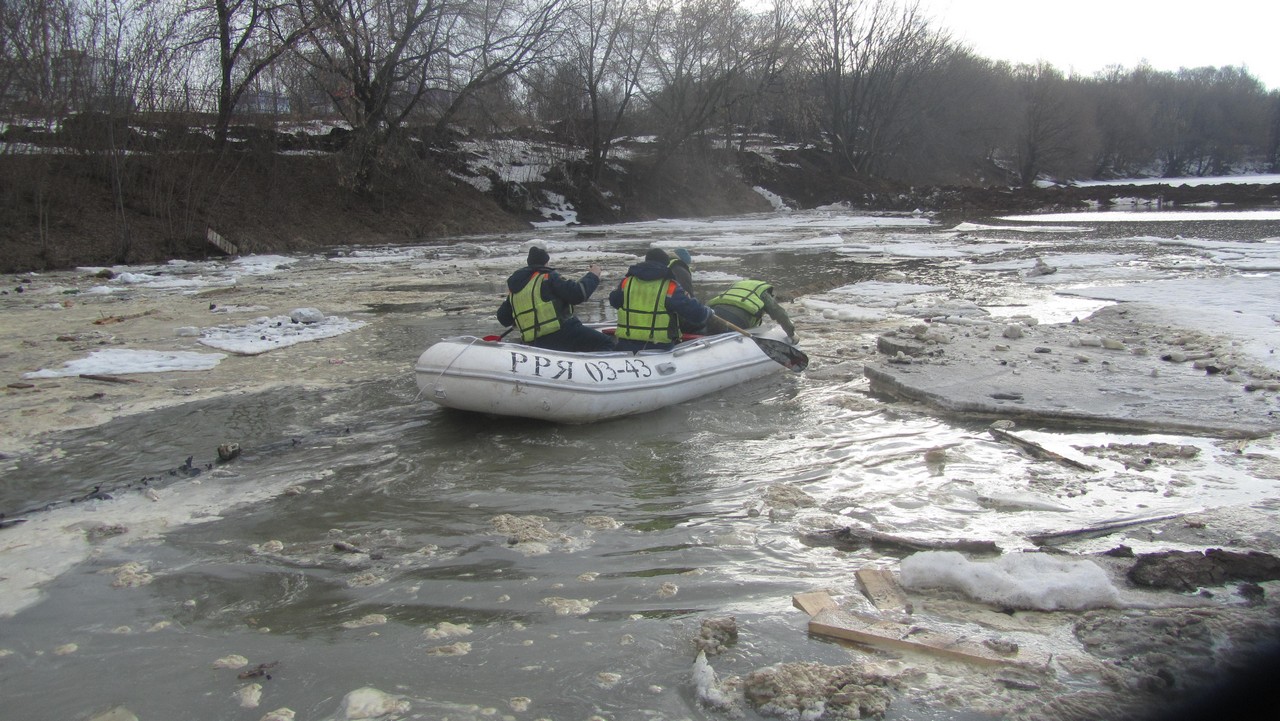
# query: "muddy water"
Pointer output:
{"type": "Point", "coordinates": [479, 568]}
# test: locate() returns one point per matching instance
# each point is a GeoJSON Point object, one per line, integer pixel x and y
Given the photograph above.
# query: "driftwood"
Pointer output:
{"type": "Point", "coordinates": [1038, 451]}
{"type": "Point", "coordinates": [1102, 529]}
{"type": "Point", "coordinates": [850, 538]}
{"type": "Point", "coordinates": [107, 379]}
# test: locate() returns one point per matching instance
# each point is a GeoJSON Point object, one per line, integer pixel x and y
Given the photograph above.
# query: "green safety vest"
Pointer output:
{"type": "Point", "coordinates": [745, 294]}
{"type": "Point", "coordinates": [534, 316]}
{"type": "Point", "coordinates": [644, 316]}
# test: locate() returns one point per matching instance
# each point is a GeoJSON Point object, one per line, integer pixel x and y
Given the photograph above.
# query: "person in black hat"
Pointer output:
{"type": "Point", "coordinates": [651, 305]}
{"type": "Point", "coordinates": [540, 303]}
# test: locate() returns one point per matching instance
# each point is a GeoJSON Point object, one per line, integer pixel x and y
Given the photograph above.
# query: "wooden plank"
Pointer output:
{"type": "Point", "coordinates": [839, 624]}
{"type": "Point", "coordinates": [811, 602]}
{"type": "Point", "coordinates": [1102, 529]}
{"type": "Point", "coordinates": [1038, 451]}
{"type": "Point", "coordinates": [882, 589]}
{"type": "Point", "coordinates": [221, 243]}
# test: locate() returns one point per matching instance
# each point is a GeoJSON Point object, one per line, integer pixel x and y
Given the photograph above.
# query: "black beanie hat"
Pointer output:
{"type": "Point", "coordinates": [658, 255]}
{"type": "Point", "coordinates": [538, 256]}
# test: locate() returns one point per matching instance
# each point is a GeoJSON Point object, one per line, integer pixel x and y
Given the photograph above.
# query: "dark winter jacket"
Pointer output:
{"type": "Point", "coordinates": [683, 305]}
{"type": "Point", "coordinates": [683, 275]}
{"type": "Point", "coordinates": [559, 290]}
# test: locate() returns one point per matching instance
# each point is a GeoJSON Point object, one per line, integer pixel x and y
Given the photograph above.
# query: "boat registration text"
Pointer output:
{"type": "Point", "coordinates": [600, 371]}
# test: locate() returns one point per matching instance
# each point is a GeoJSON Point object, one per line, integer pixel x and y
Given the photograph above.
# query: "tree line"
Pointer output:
{"type": "Point", "coordinates": [877, 83]}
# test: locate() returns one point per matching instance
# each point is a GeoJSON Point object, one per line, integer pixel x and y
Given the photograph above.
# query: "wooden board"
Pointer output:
{"type": "Point", "coordinates": [220, 243]}
{"type": "Point", "coordinates": [812, 602]}
{"type": "Point", "coordinates": [835, 623]}
{"type": "Point", "coordinates": [882, 589]}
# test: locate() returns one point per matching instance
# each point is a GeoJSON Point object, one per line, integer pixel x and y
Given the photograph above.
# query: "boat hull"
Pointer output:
{"type": "Point", "coordinates": [512, 379]}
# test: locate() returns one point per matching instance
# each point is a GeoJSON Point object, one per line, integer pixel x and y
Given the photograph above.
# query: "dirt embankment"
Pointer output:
{"type": "Point", "coordinates": [64, 209]}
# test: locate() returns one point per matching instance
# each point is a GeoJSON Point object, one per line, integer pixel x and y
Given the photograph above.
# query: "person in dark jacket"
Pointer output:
{"type": "Point", "coordinates": [681, 266]}
{"type": "Point", "coordinates": [746, 303]}
{"type": "Point", "coordinates": [540, 303]}
{"type": "Point", "coordinates": [651, 305]}
{"type": "Point", "coordinates": [682, 270]}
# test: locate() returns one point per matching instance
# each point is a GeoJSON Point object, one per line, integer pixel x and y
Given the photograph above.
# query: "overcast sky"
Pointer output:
{"type": "Point", "coordinates": [1087, 35]}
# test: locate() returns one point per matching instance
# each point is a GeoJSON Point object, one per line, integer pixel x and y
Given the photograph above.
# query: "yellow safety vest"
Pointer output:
{"type": "Point", "coordinates": [534, 316]}
{"type": "Point", "coordinates": [644, 316]}
{"type": "Point", "coordinates": [745, 294]}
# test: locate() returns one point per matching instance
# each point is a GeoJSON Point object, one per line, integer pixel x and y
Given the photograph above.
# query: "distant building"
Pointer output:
{"type": "Point", "coordinates": [263, 102]}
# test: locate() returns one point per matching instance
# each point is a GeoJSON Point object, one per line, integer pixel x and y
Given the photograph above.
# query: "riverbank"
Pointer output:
{"type": "Point", "coordinates": [64, 210]}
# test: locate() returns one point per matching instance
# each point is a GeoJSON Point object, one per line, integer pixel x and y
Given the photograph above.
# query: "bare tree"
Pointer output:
{"type": "Point", "coordinates": [610, 42]}
{"type": "Point", "coordinates": [868, 57]}
{"type": "Point", "coordinates": [1205, 117]}
{"type": "Point", "coordinates": [1048, 136]}
{"type": "Point", "coordinates": [775, 34]}
{"type": "Point", "coordinates": [492, 41]}
{"type": "Point", "coordinates": [374, 56]}
{"type": "Point", "coordinates": [249, 36]}
{"type": "Point", "coordinates": [1271, 151]}
{"type": "Point", "coordinates": [380, 50]}
{"type": "Point", "coordinates": [959, 121]}
{"type": "Point", "coordinates": [704, 55]}
{"type": "Point", "coordinates": [1123, 118]}
{"type": "Point", "coordinates": [37, 40]}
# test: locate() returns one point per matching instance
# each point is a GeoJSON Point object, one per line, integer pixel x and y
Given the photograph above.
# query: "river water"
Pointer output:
{"type": "Point", "coordinates": [471, 568]}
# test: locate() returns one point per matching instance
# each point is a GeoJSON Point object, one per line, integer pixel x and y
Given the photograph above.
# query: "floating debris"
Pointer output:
{"type": "Point", "coordinates": [249, 696]}
{"type": "Point", "coordinates": [461, 648]}
{"type": "Point", "coordinates": [130, 575]}
{"type": "Point", "coordinates": [444, 629]}
{"type": "Point", "coordinates": [232, 661]}
{"type": "Point", "coordinates": [372, 619]}
{"type": "Point", "coordinates": [259, 671]}
{"type": "Point", "coordinates": [717, 634]}
{"type": "Point", "coordinates": [569, 606]}
{"type": "Point", "coordinates": [370, 703]}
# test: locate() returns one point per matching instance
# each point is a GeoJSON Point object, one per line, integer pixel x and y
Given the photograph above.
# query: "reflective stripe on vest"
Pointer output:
{"type": "Point", "coordinates": [534, 316]}
{"type": "Point", "coordinates": [644, 316]}
{"type": "Point", "coordinates": [745, 294]}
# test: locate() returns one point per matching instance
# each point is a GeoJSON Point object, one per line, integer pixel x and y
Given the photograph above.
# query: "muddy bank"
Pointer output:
{"type": "Point", "coordinates": [68, 209]}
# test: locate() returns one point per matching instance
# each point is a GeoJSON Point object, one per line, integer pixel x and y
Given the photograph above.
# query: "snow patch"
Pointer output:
{"type": "Point", "coordinates": [1018, 580]}
{"type": "Point", "coordinates": [123, 361]}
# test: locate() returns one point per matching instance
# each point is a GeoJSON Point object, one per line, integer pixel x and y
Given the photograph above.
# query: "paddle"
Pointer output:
{"type": "Point", "coordinates": [496, 338]}
{"type": "Point", "coordinates": [791, 357]}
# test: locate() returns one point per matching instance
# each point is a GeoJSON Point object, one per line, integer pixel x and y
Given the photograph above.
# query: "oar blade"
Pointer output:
{"type": "Point", "coordinates": [789, 356]}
